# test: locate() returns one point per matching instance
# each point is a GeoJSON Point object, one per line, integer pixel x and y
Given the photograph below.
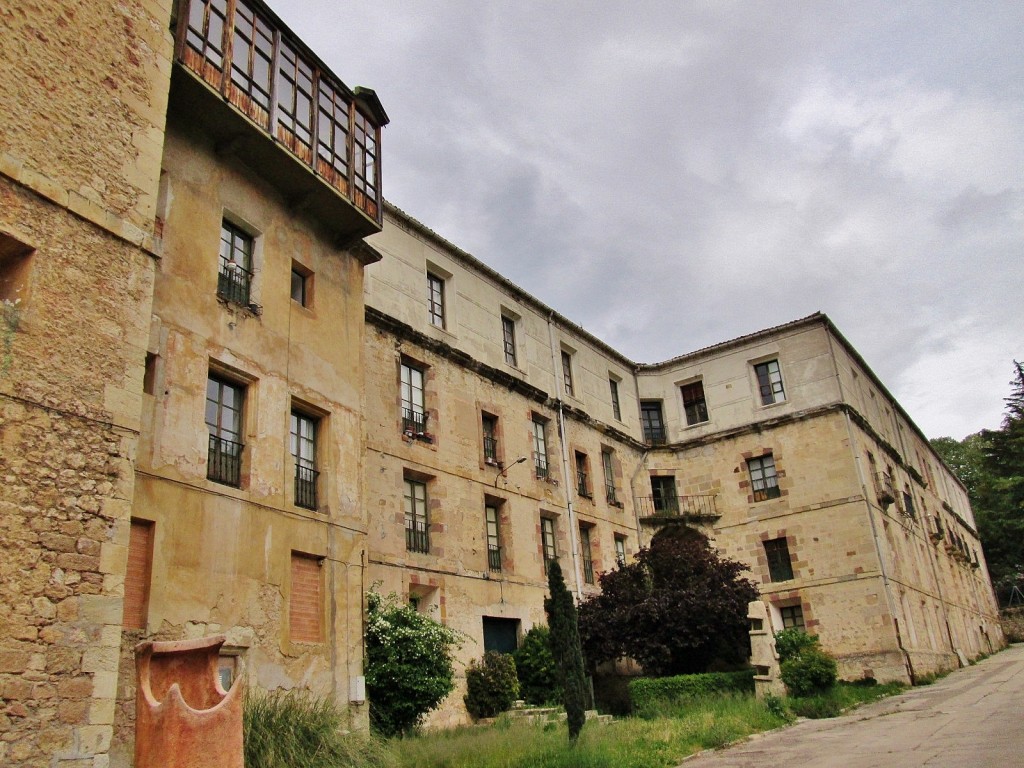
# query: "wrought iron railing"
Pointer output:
{"type": "Point", "coordinates": [610, 494]}
{"type": "Point", "coordinates": [494, 558]}
{"type": "Point", "coordinates": [306, 486]}
{"type": "Point", "coordinates": [588, 569]}
{"type": "Point", "coordinates": [540, 465]}
{"type": "Point", "coordinates": [490, 449]}
{"type": "Point", "coordinates": [233, 282]}
{"type": "Point", "coordinates": [582, 484]}
{"type": "Point", "coordinates": [224, 461]}
{"type": "Point", "coordinates": [701, 507]}
{"type": "Point", "coordinates": [655, 435]}
{"type": "Point", "coordinates": [417, 536]}
{"type": "Point", "coordinates": [414, 422]}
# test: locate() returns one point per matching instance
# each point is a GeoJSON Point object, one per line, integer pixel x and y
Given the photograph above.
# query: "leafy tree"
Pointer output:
{"type": "Point", "coordinates": [965, 458]}
{"type": "Point", "coordinates": [676, 609]}
{"type": "Point", "coordinates": [408, 665]}
{"type": "Point", "coordinates": [565, 647]}
{"type": "Point", "coordinates": [791, 642]}
{"type": "Point", "coordinates": [536, 668]}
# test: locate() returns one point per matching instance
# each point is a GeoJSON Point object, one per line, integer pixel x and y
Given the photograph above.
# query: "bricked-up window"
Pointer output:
{"type": "Point", "coordinates": [547, 540]}
{"type": "Point", "coordinates": [663, 494]}
{"type": "Point", "coordinates": [234, 278]}
{"type": "Point", "coordinates": [652, 422]}
{"type": "Point", "coordinates": [780, 567]}
{"type": "Point", "coordinates": [489, 424]}
{"type": "Point", "coordinates": [414, 415]}
{"type": "Point", "coordinates": [792, 617]}
{"type": "Point", "coordinates": [295, 101]}
{"type": "Point", "coordinates": [252, 56]}
{"type": "Point", "coordinates": [613, 385]}
{"type": "Point", "coordinates": [607, 464]}
{"type": "Point", "coordinates": [224, 401]}
{"type": "Point", "coordinates": [435, 300]}
{"type": "Point", "coordinates": [567, 372]}
{"type": "Point", "coordinates": [304, 429]}
{"type": "Point", "coordinates": [694, 404]}
{"type": "Point", "coordinates": [769, 382]}
{"type": "Point", "coordinates": [540, 446]}
{"type": "Point", "coordinates": [508, 336]}
{"type": "Point", "coordinates": [588, 557]}
{"type": "Point", "coordinates": [138, 575]}
{"type": "Point", "coordinates": [305, 611]}
{"type": "Point", "coordinates": [493, 538]}
{"type": "Point", "coordinates": [764, 482]}
{"type": "Point", "coordinates": [582, 475]}
{"type": "Point", "coordinates": [620, 550]}
{"type": "Point", "coordinates": [417, 531]}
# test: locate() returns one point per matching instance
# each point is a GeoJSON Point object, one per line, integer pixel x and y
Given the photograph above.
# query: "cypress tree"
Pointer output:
{"type": "Point", "coordinates": [565, 647]}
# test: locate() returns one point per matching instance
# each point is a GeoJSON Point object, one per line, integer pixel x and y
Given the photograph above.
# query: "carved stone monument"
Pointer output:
{"type": "Point", "coordinates": [183, 717]}
{"type": "Point", "coordinates": [763, 656]}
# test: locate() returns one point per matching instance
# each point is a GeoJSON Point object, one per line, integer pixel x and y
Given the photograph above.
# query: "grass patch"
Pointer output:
{"type": "Point", "coordinates": [661, 738]}
{"type": "Point", "coordinates": [841, 696]}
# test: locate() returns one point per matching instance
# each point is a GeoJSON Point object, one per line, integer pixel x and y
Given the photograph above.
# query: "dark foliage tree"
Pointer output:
{"type": "Point", "coordinates": [565, 647]}
{"type": "Point", "coordinates": [675, 610]}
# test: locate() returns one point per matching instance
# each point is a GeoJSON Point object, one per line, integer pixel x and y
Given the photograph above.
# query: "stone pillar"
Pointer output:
{"type": "Point", "coordinates": [763, 656]}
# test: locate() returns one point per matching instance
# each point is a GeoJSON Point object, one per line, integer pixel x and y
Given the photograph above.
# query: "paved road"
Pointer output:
{"type": "Point", "coordinates": [973, 718]}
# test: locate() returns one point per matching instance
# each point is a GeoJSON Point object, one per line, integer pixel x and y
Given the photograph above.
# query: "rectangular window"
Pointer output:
{"type": "Point", "coordinates": [205, 32]}
{"type": "Point", "coordinates": [540, 447]}
{"type": "Point", "coordinates": [780, 567]}
{"type": "Point", "coordinates": [138, 575]}
{"type": "Point", "coordinates": [414, 416]}
{"type": "Point", "coordinates": [366, 141]}
{"type": "Point", "coordinates": [251, 57]}
{"type": "Point", "coordinates": [295, 102]}
{"type": "Point", "coordinates": [663, 495]}
{"type": "Point", "coordinates": [305, 609]}
{"type": "Point", "coordinates": [769, 382]}
{"type": "Point", "coordinates": [908, 503]}
{"type": "Point", "coordinates": [616, 408]}
{"type": "Point", "coordinates": [620, 550]}
{"type": "Point", "coordinates": [234, 279]}
{"type": "Point", "coordinates": [694, 404]}
{"type": "Point", "coordinates": [501, 635]}
{"type": "Point", "coordinates": [653, 424]}
{"type": "Point", "coordinates": [303, 447]}
{"type": "Point", "coordinates": [332, 134]}
{"type": "Point", "coordinates": [490, 430]}
{"type": "Point", "coordinates": [582, 475]}
{"type": "Point", "coordinates": [508, 334]}
{"type": "Point", "coordinates": [493, 539]}
{"type": "Point", "coordinates": [588, 558]}
{"type": "Point", "coordinates": [417, 533]}
{"type": "Point", "coordinates": [302, 285]}
{"type": "Point", "coordinates": [792, 617]}
{"type": "Point", "coordinates": [224, 423]}
{"type": "Point", "coordinates": [607, 464]}
{"type": "Point", "coordinates": [547, 539]}
{"type": "Point", "coordinates": [567, 372]}
{"type": "Point", "coordinates": [763, 480]}
{"type": "Point", "coordinates": [435, 300]}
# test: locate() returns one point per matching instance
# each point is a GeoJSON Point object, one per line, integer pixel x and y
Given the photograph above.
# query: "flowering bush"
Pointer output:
{"type": "Point", "coordinates": [409, 668]}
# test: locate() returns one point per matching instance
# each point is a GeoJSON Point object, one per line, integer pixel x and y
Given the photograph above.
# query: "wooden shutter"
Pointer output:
{"type": "Point", "coordinates": [137, 576]}
{"type": "Point", "coordinates": [305, 610]}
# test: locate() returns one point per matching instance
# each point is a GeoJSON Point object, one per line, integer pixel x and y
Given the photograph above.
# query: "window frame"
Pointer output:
{"type": "Point", "coordinates": [541, 466]}
{"type": "Point", "coordinates": [436, 307]}
{"type": "Point", "coordinates": [415, 505]}
{"type": "Point", "coordinates": [608, 466]}
{"type": "Point", "coordinates": [587, 554]}
{"type": "Point", "coordinates": [620, 550]}
{"type": "Point", "coordinates": [654, 433]}
{"type": "Point", "coordinates": [412, 398]}
{"type": "Point", "coordinates": [492, 525]}
{"type": "Point", "coordinates": [225, 447]}
{"type": "Point", "coordinates": [582, 462]}
{"type": "Point", "coordinates": [695, 405]}
{"type": "Point", "coordinates": [664, 503]}
{"type": "Point", "coordinates": [305, 280]}
{"type": "Point", "coordinates": [794, 612]}
{"type": "Point", "coordinates": [306, 478]}
{"type": "Point", "coordinates": [548, 541]}
{"type": "Point", "coordinates": [764, 485]}
{"type": "Point", "coordinates": [489, 427]}
{"type": "Point", "coordinates": [769, 382]}
{"type": "Point", "coordinates": [567, 380]}
{"type": "Point", "coordinates": [234, 279]}
{"type": "Point", "coordinates": [613, 386]}
{"type": "Point", "coordinates": [779, 560]}
{"type": "Point", "coordinates": [508, 337]}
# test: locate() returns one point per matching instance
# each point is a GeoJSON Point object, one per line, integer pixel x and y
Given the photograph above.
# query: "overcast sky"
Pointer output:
{"type": "Point", "coordinates": [674, 174]}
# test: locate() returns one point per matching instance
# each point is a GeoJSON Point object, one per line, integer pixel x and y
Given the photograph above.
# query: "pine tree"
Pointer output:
{"type": "Point", "coordinates": [565, 647]}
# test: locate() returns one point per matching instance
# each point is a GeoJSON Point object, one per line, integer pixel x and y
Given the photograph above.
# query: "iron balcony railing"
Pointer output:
{"type": "Point", "coordinates": [490, 449]}
{"type": "Point", "coordinates": [233, 282]}
{"type": "Point", "coordinates": [695, 508]}
{"type": "Point", "coordinates": [417, 537]}
{"type": "Point", "coordinates": [655, 435]}
{"type": "Point", "coordinates": [540, 465]}
{"type": "Point", "coordinates": [588, 569]}
{"type": "Point", "coordinates": [610, 494]}
{"type": "Point", "coordinates": [305, 486]}
{"type": "Point", "coordinates": [494, 558]}
{"type": "Point", "coordinates": [224, 461]}
{"type": "Point", "coordinates": [414, 422]}
{"type": "Point", "coordinates": [583, 484]}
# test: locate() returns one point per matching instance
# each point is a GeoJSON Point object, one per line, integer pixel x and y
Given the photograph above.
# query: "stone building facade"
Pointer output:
{"type": "Point", "coordinates": [238, 390]}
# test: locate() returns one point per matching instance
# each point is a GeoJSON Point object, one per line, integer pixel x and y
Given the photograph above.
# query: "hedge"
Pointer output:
{"type": "Point", "coordinates": [645, 690]}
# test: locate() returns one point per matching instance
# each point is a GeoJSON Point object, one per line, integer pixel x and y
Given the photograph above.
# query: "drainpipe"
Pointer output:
{"type": "Point", "coordinates": [567, 478]}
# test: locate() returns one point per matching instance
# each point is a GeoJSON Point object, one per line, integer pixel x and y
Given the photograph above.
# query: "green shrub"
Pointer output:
{"type": "Point", "coordinates": [535, 667]}
{"type": "Point", "coordinates": [775, 705]}
{"type": "Point", "coordinates": [408, 665]}
{"type": "Point", "coordinates": [811, 671]}
{"type": "Point", "coordinates": [285, 729]}
{"type": "Point", "coordinates": [790, 642]}
{"type": "Point", "coordinates": [491, 684]}
{"type": "Point", "coordinates": [646, 691]}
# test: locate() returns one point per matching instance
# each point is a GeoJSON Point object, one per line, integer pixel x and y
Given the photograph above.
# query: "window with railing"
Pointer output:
{"type": "Point", "coordinates": [652, 422]}
{"type": "Point", "coordinates": [664, 495]}
{"type": "Point", "coordinates": [224, 401]}
{"type": "Point", "coordinates": [620, 550]}
{"type": "Point", "coordinates": [547, 539]}
{"type": "Point", "coordinates": [417, 532]}
{"type": "Point", "coordinates": [582, 475]}
{"type": "Point", "coordinates": [540, 447]}
{"type": "Point", "coordinates": [493, 538]}
{"type": "Point", "coordinates": [588, 558]}
{"type": "Point", "coordinates": [490, 434]}
{"type": "Point", "coordinates": [234, 277]}
{"type": "Point", "coordinates": [328, 127]}
{"type": "Point", "coordinates": [414, 416]}
{"type": "Point", "coordinates": [764, 481]}
{"type": "Point", "coordinates": [607, 464]}
{"type": "Point", "coordinates": [303, 435]}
